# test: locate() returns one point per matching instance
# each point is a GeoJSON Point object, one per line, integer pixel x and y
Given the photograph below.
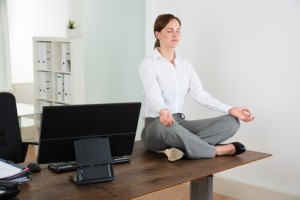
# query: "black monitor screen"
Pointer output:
{"type": "Point", "coordinates": [61, 125]}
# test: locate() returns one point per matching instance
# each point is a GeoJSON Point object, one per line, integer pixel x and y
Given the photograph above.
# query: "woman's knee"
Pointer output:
{"type": "Point", "coordinates": [234, 123]}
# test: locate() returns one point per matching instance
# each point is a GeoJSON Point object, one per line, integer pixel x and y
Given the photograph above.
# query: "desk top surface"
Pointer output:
{"type": "Point", "coordinates": [146, 173]}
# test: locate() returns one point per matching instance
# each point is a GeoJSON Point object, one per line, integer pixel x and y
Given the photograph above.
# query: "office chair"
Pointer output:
{"type": "Point", "coordinates": [11, 146]}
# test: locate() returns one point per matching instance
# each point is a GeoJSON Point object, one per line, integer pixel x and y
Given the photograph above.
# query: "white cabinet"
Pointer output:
{"type": "Point", "coordinates": [59, 76]}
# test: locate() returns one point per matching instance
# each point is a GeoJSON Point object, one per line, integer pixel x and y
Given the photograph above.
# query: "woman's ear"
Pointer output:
{"type": "Point", "coordinates": [156, 35]}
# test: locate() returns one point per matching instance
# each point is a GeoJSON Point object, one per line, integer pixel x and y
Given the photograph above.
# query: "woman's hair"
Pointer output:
{"type": "Point", "coordinates": [161, 22]}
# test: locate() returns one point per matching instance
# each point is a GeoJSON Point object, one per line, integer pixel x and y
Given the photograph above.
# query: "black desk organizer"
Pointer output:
{"type": "Point", "coordinates": [93, 159]}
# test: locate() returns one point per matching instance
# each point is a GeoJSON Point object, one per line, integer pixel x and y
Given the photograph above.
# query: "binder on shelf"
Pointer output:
{"type": "Point", "coordinates": [48, 85]}
{"type": "Point", "coordinates": [44, 60]}
{"type": "Point", "coordinates": [59, 85]}
{"type": "Point", "coordinates": [39, 54]}
{"type": "Point", "coordinates": [67, 88]}
{"type": "Point", "coordinates": [49, 59]}
{"type": "Point", "coordinates": [93, 159]}
{"type": "Point", "coordinates": [42, 85]}
{"type": "Point", "coordinates": [46, 55]}
{"type": "Point", "coordinates": [65, 57]}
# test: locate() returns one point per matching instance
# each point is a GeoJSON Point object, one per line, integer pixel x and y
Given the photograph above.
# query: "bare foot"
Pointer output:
{"type": "Point", "coordinates": [173, 154]}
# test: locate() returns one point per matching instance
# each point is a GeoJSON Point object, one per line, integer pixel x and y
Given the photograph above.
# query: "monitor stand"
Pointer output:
{"type": "Point", "coordinates": [93, 159]}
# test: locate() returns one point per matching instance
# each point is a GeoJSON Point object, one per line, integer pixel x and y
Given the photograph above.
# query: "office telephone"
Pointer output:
{"type": "Point", "coordinates": [8, 189]}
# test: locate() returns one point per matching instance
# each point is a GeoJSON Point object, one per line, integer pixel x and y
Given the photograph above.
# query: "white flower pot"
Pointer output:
{"type": "Point", "coordinates": [71, 33]}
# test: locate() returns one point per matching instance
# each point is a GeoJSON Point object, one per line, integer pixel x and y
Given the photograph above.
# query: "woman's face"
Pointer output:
{"type": "Point", "coordinates": [170, 35]}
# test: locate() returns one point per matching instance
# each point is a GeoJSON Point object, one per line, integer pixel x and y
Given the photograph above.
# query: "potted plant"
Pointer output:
{"type": "Point", "coordinates": [71, 28]}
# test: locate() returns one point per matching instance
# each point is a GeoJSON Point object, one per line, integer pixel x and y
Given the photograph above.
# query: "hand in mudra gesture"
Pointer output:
{"type": "Point", "coordinates": [241, 113]}
{"type": "Point", "coordinates": [166, 117]}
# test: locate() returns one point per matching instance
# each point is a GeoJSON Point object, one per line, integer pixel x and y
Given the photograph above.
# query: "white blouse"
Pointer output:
{"type": "Point", "coordinates": [166, 86]}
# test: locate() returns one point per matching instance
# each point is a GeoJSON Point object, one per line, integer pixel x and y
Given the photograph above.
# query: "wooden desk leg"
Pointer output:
{"type": "Point", "coordinates": [202, 189]}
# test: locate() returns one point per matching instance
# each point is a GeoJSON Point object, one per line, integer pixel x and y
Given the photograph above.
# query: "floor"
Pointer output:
{"type": "Point", "coordinates": [179, 192]}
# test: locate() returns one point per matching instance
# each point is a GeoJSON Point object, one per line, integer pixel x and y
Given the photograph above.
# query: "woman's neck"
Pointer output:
{"type": "Point", "coordinates": [168, 54]}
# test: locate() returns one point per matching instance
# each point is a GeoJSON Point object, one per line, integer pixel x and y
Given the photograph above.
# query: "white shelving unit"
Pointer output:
{"type": "Point", "coordinates": [59, 76]}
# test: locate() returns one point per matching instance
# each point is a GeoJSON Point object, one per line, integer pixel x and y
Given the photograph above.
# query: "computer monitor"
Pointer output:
{"type": "Point", "coordinates": [61, 125]}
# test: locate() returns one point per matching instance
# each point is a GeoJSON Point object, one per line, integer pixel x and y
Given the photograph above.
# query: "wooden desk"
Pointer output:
{"type": "Point", "coordinates": [146, 173]}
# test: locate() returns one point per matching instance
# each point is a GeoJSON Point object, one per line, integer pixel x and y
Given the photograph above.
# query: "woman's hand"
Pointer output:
{"type": "Point", "coordinates": [166, 117]}
{"type": "Point", "coordinates": [243, 114]}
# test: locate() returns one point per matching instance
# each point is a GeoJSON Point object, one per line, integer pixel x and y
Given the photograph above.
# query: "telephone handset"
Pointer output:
{"type": "Point", "coordinates": [8, 189]}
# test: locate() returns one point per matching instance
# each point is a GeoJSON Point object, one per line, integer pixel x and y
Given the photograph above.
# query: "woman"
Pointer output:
{"type": "Point", "coordinates": [167, 79]}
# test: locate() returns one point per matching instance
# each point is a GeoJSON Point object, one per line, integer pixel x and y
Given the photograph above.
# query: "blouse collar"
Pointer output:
{"type": "Point", "coordinates": [156, 54]}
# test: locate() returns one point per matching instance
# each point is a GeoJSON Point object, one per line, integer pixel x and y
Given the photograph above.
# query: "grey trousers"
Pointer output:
{"type": "Point", "coordinates": [197, 138]}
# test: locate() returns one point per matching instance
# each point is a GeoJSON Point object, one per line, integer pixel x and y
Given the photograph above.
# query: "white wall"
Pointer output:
{"type": "Point", "coordinates": [247, 54]}
{"type": "Point", "coordinates": [114, 47]}
{"type": "Point", "coordinates": [114, 44]}
{"type": "Point", "coordinates": [28, 18]}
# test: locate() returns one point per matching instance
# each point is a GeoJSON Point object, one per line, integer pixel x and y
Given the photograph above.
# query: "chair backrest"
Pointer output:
{"type": "Point", "coordinates": [10, 133]}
